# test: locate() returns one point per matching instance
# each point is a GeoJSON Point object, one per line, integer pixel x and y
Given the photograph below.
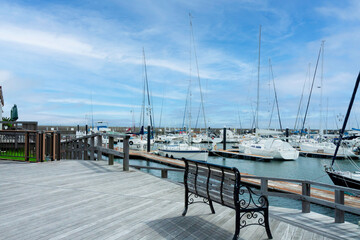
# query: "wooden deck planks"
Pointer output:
{"type": "Point", "coordinates": [91, 200]}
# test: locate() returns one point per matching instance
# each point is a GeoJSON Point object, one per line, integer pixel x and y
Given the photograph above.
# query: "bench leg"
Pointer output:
{"type": "Point", "coordinates": [211, 207]}
{"type": "Point", "coordinates": [267, 226]}
{"type": "Point", "coordinates": [237, 225]}
{"type": "Point", "coordinates": [186, 202]}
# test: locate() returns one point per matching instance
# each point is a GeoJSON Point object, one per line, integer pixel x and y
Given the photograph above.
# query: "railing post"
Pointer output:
{"type": "Point", "coordinates": [72, 151]}
{"type": "Point", "coordinates": [26, 147]}
{"type": "Point", "coordinates": [339, 199]}
{"type": "Point", "coordinates": [43, 147]}
{"type": "Point", "coordinates": [58, 146]}
{"type": "Point", "coordinates": [53, 148]}
{"type": "Point", "coordinates": [224, 139]}
{"type": "Point", "coordinates": [84, 143]}
{"type": "Point", "coordinates": [148, 139]}
{"type": "Point", "coordinates": [111, 146]}
{"type": "Point", "coordinates": [305, 192]}
{"type": "Point", "coordinates": [126, 153]}
{"type": "Point", "coordinates": [92, 145]}
{"type": "Point", "coordinates": [164, 173]}
{"type": "Point", "coordinates": [99, 144]}
{"type": "Point", "coordinates": [67, 150]}
{"type": "Point", "coordinates": [37, 146]}
{"type": "Point", "coordinates": [264, 187]}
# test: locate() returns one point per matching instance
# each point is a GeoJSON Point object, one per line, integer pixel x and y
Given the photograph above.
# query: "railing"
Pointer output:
{"type": "Point", "coordinates": [31, 146]}
{"type": "Point", "coordinates": [85, 147]}
{"type": "Point", "coordinates": [306, 198]}
{"type": "Point", "coordinates": [164, 171]}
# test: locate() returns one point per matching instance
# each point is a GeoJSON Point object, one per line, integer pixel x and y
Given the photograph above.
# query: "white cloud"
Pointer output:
{"type": "Point", "coordinates": [52, 41]}
{"type": "Point", "coordinates": [89, 102]}
{"type": "Point", "coordinates": [348, 13]}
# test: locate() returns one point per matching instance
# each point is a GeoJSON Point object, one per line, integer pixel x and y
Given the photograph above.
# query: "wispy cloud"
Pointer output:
{"type": "Point", "coordinates": [89, 102]}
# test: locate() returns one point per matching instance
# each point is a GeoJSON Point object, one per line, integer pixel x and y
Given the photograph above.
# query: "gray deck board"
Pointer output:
{"type": "Point", "coordinates": [72, 199]}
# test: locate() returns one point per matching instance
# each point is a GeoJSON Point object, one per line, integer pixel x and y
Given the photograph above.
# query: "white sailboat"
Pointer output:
{"type": "Point", "coordinates": [269, 147]}
{"type": "Point", "coordinates": [184, 149]}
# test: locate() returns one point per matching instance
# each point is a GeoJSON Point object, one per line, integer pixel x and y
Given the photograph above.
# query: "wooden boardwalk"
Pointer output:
{"type": "Point", "coordinates": [75, 199]}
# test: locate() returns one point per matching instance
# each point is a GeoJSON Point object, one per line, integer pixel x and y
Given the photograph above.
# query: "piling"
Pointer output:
{"type": "Point", "coordinates": [224, 139]}
{"type": "Point", "coordinates": [148, 139]}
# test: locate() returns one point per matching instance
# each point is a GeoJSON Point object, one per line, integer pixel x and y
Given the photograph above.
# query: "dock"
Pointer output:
{"type": "Point", "coordinates": [320, 155]}
{"type": "Point", "coordinates": [77, 199]}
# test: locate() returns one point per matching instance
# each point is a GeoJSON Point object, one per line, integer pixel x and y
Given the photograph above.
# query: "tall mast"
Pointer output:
{"type": "Point", "coordinates": [149, 110]}
{"type": "Point", "coordinates": [346, 118]}
{"type": "Point", "coordinates": [321, 86]}
{"type": "Point", "coordinates": [258, 84]}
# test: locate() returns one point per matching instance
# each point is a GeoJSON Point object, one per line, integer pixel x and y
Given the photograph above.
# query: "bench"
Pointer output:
{"type": "Point", "coordinates": [223, 185]}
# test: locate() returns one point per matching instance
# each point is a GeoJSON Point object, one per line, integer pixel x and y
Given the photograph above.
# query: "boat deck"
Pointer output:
{"type": "Point", "coordinates": [76, 199]}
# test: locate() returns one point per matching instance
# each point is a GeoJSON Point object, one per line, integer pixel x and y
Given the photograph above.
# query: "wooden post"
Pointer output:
{"type": "Point", "coordinates": [92, 145]}
{"type": "Point", "coordinates": [68, 150]}
{"type": "Point", "coordinates": [126, 153]}
{"type": "Point", "coordinates": [339, 199]}
{"type": "Point", "coordinates": [148, 138]}
{"type": "Point", "coordinates": [111, 146]}
{"type": "Point", "coordinates": [99, 144]}
{"type": "Point", "coordinates": [224, 139]}
{"type": "Point", "coordinates": [84, 143]}
{"type": "Point", "coordinates": [305, 192]}
{"type": "Point", "coordinates": [43, 147]}
{"type": "Point", "coordinates": [164, 173]}
{"type": "Point", "coordinates": [26, 147]}
{"type": "Point", "coordinates": [264, 186]}
{"type": "Point", "coordinates": [53, 138]}
{"type": "Point", "coordinates": [37, 147]}
{"type": "Point", "coordinates": [58, 146]}
{"type": "Point", "coordinates": [72, 155]}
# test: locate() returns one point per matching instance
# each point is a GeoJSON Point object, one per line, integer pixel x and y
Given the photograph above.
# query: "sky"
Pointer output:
{"type": "Point", "coordinates": [78, 62]}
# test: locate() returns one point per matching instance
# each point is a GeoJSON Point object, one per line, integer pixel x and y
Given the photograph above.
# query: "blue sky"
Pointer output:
{"type": "Point", "coordinates": [65, 61]}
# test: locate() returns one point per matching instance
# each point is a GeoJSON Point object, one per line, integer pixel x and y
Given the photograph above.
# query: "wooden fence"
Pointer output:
{"type": "Point", "coordinates": [87, 146]}
{"type": "Point", "coordinates": [31, 146]}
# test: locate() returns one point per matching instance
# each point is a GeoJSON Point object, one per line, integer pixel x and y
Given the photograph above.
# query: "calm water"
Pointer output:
{"type": "Point", "coordinates": [302, 168]}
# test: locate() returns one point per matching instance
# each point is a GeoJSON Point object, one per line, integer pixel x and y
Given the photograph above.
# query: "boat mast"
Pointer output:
{"type": "Point", "coordinates": [276, 99]}
{"type": "Point", "coordinates": [146, 85]}
{"type": "Point", "coordinates": [190, 93]}
{"type": "Point", "coordinates": [258, 84]}
{"type": "Point", "coordinates": [346, 119]}
{"type": "Point", "coordinates": [321, 86]}
{"type": "Point", "coordinates": [312, 86]}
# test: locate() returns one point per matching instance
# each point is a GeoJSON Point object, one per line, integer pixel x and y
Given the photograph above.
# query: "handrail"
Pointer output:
{"type": "Point", "coordinates": [80, 147]}
{"type": "Point", "coordinates": [335, 187]}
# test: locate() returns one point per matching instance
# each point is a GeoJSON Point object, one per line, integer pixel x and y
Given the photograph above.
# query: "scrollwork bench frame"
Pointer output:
{"type": "Point", "coordinates": [223, 185]}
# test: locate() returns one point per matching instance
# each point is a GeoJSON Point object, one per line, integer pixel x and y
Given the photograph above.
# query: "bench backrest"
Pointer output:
{"type": "Point", "coordinates": [214, 182]}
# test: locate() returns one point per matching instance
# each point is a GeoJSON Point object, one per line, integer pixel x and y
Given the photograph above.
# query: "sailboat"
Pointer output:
{"type": "Point", "coordinates": [269, 147]}
{"type": "Point", "coordinates": [344, 178]}
{"type": "Point", "coordinates": [184, 149]}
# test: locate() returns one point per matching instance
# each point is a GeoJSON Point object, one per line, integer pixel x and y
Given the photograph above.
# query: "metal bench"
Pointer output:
{"type": "Point", "coordinates": [223, 185]}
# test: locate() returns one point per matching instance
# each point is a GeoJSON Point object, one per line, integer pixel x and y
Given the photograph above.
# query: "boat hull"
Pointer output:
{"type": "Point", "coordinates": [343, 181]}
{"type": "Point", "coordinates": [199, 155]}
